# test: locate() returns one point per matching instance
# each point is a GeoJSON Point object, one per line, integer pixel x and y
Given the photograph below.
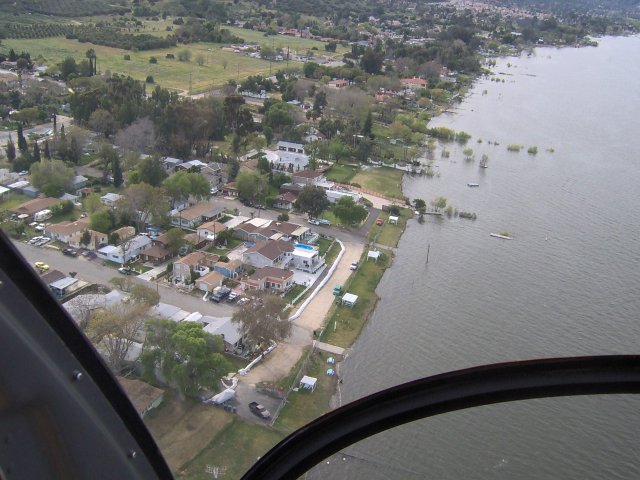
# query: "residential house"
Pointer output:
{"type": "Point", "coordinates": [272, 253]}
{"type": "Point", "coordinates": [230, 269]}
{"type": "Point", "coordinates": [269, 278]}
{"type": "Point", "coordinates": [125, 252]}
{"type": "Point", "coordinates": [143, 396]}
{"type": "Point", "coordinates": [414, 83]}
{"type": "Point", "coordinates": [230, 190]}
{"type": "Point", "coordinates": [64, 286]}
{"type": "Point", "coordinates": [209, 281]}
{"type": "Point", "coordinates": [308, 177]}
{"type": "Point", "coordinates": [198, 241]}
{"type": "Point", "coordinates": [306, 259]}
{"type": "Point", "coordinates": [110, 199]}
{"type": "Point", "coordinates": [290, 157]}
{"type": "Point", "coordinates": [170, 163]}
{"type": "Point", "coordinates": [199, 262]}
{"type": "Point", "coordinates": [196, 214]}
{"type": "Point", "coordinates": [155, 254]}
{"type": "Point", "coordinates": [338, 83]}
{"type": "Point", "coordinates": [185, 166]}
{"type": "Point", "coordinates": [285, 201]}
{"type": "Point", "coordinates": [63, 231]}
{"type": "Point", "coordinates": [124, 233]}
{"type": "Point", "coordinates": [291, 188]}
{"type": "Point", "coordinates": [291, 231]}
{"type": "Point", "coordinates": [78, 183]}
{"type": "Point", "coordinates": [209, 230]}
{"type": "Point", "coordinates": [335, 194]}
{"type": "Point", "coordinates": [36, 205]}
{"type": "Point", "coordinates": [96, 240]}
{"type": "Point", "coordinates": [229, 331]}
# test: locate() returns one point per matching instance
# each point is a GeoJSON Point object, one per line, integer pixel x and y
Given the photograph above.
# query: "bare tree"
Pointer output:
{"type": "Point", "coordinates": [115, 329]}
{"type": "Point", "coordinates": [262, 319]}
{"type": "Point", "coordinates": [139, 137]}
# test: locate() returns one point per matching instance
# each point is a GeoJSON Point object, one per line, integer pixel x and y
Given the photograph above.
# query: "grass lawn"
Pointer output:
{"type": "Point", "coordinates": [234, 449]}
{"type": "Point", "coordinates": [344, 324]}
{"type": "Point", "coordinates": [293, 293]}
{"type": "Point", "coordinates": [332, 254]}
{"type": "Point", "coordinates": [184, 428]}
{"type": "Point", "coordinates": [303, 406]}
{"type": "Point", "coordinates": [342, 173]}
{"type": "Point", "coordinates": [384, 180]}
{"type": "Point", "coordinates": [219, 66]}
{"type": "Point", "coordinates": [231, 244]}
{"type": "Point", "coordinates": [388, 234]}
{"type": "Point", "coordinates": [13, 201]}
{"type": "Point", "coordinates": [323, 245]}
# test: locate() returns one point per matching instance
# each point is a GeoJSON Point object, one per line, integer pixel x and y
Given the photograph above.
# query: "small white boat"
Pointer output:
{"type": "Point", "coordinates": [473, 184]}
{"type": "Point", "coordinates": [497, 235]}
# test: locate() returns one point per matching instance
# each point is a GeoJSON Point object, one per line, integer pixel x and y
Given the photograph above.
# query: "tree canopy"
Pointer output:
{"type": "Point", "coordinates": [262, 319]}
{"type": "Point", "coordinates": [312, 200]}
{"type": "Point", "coordinates": [184, 184]}
{"type": "Point", "coordinates": [348, 211]}
{"type": "Point", "coordinates": [186, 355]}
{"type": "Point", "coordinates": [251, 185]}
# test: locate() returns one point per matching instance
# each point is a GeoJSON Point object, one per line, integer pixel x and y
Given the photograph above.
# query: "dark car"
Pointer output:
{"type": "Point", "coordinates": [259, 410]}
{"type": "Point", "coordinates": [220, 295]}
{"type": "Point", "coordinates": [69, 252]}
{"type": "Point", "coordinates": [125, 270]}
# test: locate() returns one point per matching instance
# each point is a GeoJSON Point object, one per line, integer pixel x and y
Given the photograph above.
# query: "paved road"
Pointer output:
{"type": "Point", "coordinates": [93, 271]}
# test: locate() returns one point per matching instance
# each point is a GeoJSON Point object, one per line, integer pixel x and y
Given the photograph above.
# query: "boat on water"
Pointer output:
{"type": "Point", "coordinates": [483, 164]}
{"type": "Point", "coordinates": [473, 184]}
{"type": "Point", "coordinates": [497, 235]}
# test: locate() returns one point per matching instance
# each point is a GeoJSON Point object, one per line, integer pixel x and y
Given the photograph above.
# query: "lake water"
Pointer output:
{"type": "Point", "coordinates": [568, 284]}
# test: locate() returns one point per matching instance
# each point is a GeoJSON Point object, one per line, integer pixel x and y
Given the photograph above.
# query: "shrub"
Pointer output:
{"type": "Point", "coordinates": [153, 60]}
{"type": "Point", "coordinates": [513, 147]}
{"type": "Point", "coordinates": [127, 57]}
{"type": "Point", "coordinates": [170, 56]}
{"type": "Point", "coordinates": [532, 150]}
{"type": "Point", "coordinates": [149, 79]}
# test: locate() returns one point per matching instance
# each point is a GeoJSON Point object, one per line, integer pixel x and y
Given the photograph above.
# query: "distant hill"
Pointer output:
{"type": "Point", "coordinates": [62, 8]}
{"type": "Point", "coordinates": [601, 7]}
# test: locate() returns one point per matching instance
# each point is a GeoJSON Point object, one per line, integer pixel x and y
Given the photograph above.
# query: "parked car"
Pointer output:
{"type": "Point", "coordinates": [379, 221]}
{"type": "Point", "coordinates": [354, 266]}
{"type": "Point", "coordinates": [242, 301]}
{"type": "Point", "coordinates": [42, 241]}
{"type": "Point", "coordinates": [35, 240]}
{"type": "Point", "coordinates": [233, 296]}
{"type": "Point", "coordinates": [259, 410]}
{"type": "Point", "coordinates": [70, 252]}
{"type": "Point", "coordinates": [313, 221]}
{"type": "Point", "coordinates": [220, 295]}
{"type": "Point", "coordinates": [322, 221]}
{"type": "Point", "coordinates": [125, 270]}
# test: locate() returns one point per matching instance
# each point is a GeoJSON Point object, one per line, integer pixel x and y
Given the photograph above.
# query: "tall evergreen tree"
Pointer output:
{"type": "Point", "coordinates": [22, 142]}
{"type": "Point", "coordinates": [117, 172]}
{"type": "Point", "coordinates": [36, 152]}
{"type": "Point", "coordinates": [47, 152]}
{"type": "Point", "coordinates": [11, 150]}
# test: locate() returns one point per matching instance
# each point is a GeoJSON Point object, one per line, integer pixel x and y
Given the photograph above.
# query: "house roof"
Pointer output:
{"type": "Point", "coordinates": [141, 394]}
{"type": "Point", "coordinates": [111, 197]}
{"type": "Point", "coordinates": [284, 227]}
{"type": "Point", "coordinates": [157, 251]}
{"type": "Point", "coordinates": [271, 273]}
{"type": "Point", "coordinates": [413, 81]}
{"type": "Point", "coordinates": [222, 326]}
{"type": "Point", "coordinates": [36, 205]}
{"type": "Point", "coordinates": [271, 249]}
{"type": "Point", "coordinates": [199, 210]}
{"type": "Point", "coordinates": [285, 144]}
{"type": "Point", "coordinates": [212, 225]}
{"type": "Point", "coordinates": [69, 228]}
{"type": "Point", "coordinates": [195, 258]}
{"type": "Point", "coordinates": [52, 276]}
{"type": "Point", "coordinates": [212, 278]}
{"type": "Point", "coordinates": [231, 265]}
{"type": "Point", "coordinates": [64, 283]}
{"type": "Point", "coordinates": [125, 232]}
{"type": "Point", "coordinates": [287, 197]}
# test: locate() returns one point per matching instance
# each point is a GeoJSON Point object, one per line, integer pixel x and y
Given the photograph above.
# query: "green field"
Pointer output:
{"type": "Point", "coordinates": [342, 173]}
{"type": "Point", "coordinates": [384, 180]}
{"type": "Point", "coordinates": [167, 73]}
{"type": "Point", "coordinates": [387, 234]}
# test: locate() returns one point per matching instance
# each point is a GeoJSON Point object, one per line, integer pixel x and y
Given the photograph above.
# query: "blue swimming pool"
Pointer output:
{"type": "Point", "coordinates": [303, 246]}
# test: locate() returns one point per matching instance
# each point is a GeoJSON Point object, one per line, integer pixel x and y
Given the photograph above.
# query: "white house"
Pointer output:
{"type": "Point", "coordinates": [306, 259]}
{"type": "Point", "coordinates": [110, 199]}
{"type": "Point", "coordinates": [125, 252]}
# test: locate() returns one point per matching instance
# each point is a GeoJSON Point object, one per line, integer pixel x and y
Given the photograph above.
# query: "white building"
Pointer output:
{"type": "Point", "coordinates": [125, 252]}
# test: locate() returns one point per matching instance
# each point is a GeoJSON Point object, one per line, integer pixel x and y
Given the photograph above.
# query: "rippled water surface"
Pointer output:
{"type": "Point", "coordinates": [568, 284]}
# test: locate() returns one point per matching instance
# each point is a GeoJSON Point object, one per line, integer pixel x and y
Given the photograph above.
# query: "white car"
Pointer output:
{"type": "Point", "coordinates": [354, 266]}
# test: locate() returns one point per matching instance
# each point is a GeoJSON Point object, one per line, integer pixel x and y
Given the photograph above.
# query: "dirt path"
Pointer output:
{"type": "Point", "coordinates": [283, 358]}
